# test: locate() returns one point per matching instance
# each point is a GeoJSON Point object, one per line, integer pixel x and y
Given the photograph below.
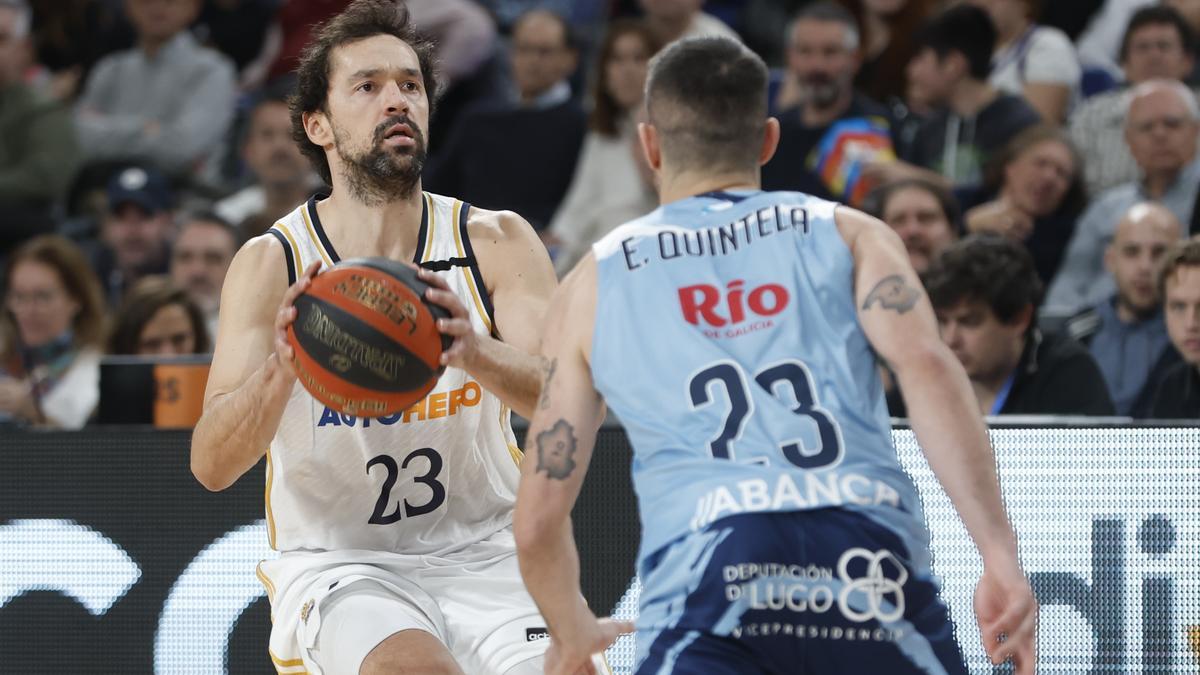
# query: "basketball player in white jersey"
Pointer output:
{"type": "Point", "coordinates": [395, 533]}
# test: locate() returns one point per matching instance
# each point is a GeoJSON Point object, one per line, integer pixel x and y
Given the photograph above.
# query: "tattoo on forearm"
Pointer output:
{"type": "Point", "coordinates": [556, 450]}
{"type": "Point", "coordinates": [893, 292]}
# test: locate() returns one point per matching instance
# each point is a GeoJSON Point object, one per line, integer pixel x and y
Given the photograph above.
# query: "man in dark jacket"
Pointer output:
{"type": "Point", "coordinates": [985, 292]}
{"type": "Point", "coordinates": [1126, 333]}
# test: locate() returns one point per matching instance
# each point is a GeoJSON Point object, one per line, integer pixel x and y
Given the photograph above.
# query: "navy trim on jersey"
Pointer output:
{"type": "Point", "coordinates": [316, 221]}
{"type": "Point", "coordinates": [422, 232]}
{"type": "Point", "coordinates": [474, 264]}
{"type": "Point", "coordinates": [726, 196]}
{"type": "Point", "coordinates": [287, 252]}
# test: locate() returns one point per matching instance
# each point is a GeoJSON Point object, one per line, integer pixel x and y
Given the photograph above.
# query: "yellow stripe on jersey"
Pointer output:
{"type": "Point", "coordinates": [266, 581]}
{"type": "Point", "coordinates": [267, 500]}
{"type": "Point", "coordinates": [312, 233]}
{"type": "Point", "coordinates": [506, 430]}
{"type": "Point", "coordinates": [289, 666]}
{"type": "Point", "coordinates": [476, 293]}
{"type": "Point", "coordinates": [431, 215]}
{"type": "Point", "coordinates": [297, 262]}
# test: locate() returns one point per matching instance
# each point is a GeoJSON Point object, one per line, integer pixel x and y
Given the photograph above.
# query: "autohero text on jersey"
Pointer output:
{"type": "Point", "coordinates": [673, 243]}
{"type": "Point", "coordinates": [434, 406]}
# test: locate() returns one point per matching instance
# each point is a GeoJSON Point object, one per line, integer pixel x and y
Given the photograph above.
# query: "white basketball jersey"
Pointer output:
{"type": "Point", "coordinates": [434, 478]}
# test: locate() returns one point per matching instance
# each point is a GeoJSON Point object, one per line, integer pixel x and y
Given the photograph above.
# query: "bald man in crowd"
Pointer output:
{"type": "Point", "coordinates": [1161, 129]}
{"type": "Point", "coordinates": [1125, 332]}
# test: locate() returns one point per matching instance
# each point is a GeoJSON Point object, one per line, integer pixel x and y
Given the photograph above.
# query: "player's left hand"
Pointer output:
{"type": "Point", "coordinates": [574, 656]}
{"type": "Point", "coordinates": [465, 343]}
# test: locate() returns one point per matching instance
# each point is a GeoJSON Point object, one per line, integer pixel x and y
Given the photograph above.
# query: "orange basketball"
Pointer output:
{"type": "Point", "coordinates": [366, 341]}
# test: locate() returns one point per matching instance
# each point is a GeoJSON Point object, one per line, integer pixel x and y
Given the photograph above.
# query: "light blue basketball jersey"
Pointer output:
{"type": "Point", "coordinates": [726, 341]}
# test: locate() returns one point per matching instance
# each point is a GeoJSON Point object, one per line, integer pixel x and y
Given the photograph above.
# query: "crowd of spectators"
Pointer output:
{"type": "Point", "coordinates": [1039, 165]}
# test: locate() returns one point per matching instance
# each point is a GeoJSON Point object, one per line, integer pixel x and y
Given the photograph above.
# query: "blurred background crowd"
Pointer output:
{"type": "Point", "coordinates": [1038, 159]}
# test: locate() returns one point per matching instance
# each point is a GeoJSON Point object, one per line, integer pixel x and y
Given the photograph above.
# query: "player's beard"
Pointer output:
{"type": "Point", "coordinates": [382, 174]}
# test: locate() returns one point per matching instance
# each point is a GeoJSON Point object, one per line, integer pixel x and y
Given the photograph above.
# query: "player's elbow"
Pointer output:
{"type": "Point", "coordinates": [208, 475]}
{"type": "Point", "coordinates": [205, 468]}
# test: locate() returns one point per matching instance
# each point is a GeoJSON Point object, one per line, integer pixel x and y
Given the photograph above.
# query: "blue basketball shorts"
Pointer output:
{"type": "Point", "coordinates": [825, 591]}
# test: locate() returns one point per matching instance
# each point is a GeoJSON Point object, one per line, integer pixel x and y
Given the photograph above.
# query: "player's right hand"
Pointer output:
{"type": "Point", "coordinates": [1007, 613]}
{"type": "Point", "coordinates": [286, 315]}
{"type": "Point", "coordinates": [574, 657]}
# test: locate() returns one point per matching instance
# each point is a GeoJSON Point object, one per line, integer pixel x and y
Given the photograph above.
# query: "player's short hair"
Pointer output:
{"type": "Point", "coordinates": [361, 20]}
{"type": "Point", "coordinates": [1185, 253]}
{"type": "Point", "coordinates": [24, 17]}
{"type": "Point", "coordinates": [827, 11]}
{"type": "Point", "coordinates": [877, 200]}
{"type": "Point", "coordinates": [1158, 15]}
{"type": "Point", "coordinates": [707, 98]}
{"type": "Point", "coordinates": [988, 268]}
{"type": "Point", "coordinates": [965, 29]}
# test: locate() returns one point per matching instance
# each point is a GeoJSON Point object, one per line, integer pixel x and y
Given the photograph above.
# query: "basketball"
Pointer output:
{"type": "Point", "coordinates": [366, 342]}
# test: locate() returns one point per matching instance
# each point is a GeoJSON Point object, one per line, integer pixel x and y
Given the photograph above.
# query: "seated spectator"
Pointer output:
{"type": "Point", "coordinates": [977, 121]}
{"type": "Point", "coordinates": [200, 257]}
{"type": "Point", "coordinates": [1097, 30]}
{"type": "Point", "coordinates": [985, 293]}
{"type": "Point", "coordinates": [168, 100]}
{"type": "Point", "coordinates": [283, 178]}
{"type": "Point", "coordinates": [1190, 11]}
{"type": "Point", "coordinates": [50, 336]}
{"type": "Point", "coordinates": [1161, 129]}
{"type": "Point", "coordinates": [889, 29]}
{"type": "Point", "coordinates": [135, 234]}
{"type": "Point", "coordinates": [1179, 285]}
{"type": "Point", "coordinates": [611, 185]}
{"type": "Point", "coordinates": [1033, 196]}
{"type": "Point", "coordinates": [158, 318]}
{"type": "Point", "coordinates": [72, 35]}
{"type": "Point", "coordinates": [922, 212]}
{"type": "Point", "coordinates": [831, 131]}
{"type": "Point", "coordinates": [236, 28]}
{"type": "Point", "coordinates": [520, 155]}
{"type": "Point", "coordinates": [671, 20]}
{"type": "Point", "coordinates": [1158, 44]}
{"type": "Point", "coordinates": [1126, 333]}
{"type": "Point", "coordinates": [38, 153]}
{"type": "Point", "coordinates": [1036, 62]}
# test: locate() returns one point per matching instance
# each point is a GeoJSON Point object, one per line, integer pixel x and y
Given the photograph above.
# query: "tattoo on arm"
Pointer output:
{"type": "Point", "coordinates": [544, 400]}
{"type": "Point", "coordinates": [556, 450]}
{"type": "Point", "coordinates": [892, 292]}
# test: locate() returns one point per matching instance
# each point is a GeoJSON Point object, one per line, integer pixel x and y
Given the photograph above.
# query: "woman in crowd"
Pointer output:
{"type": "Point", "coordinates": [889, 29]}
{"type": "Point", "coordinates": [611, 184]}
{"type": "Point", "coordinates": [1033, 194]}
{"type": "Point", "coordinates": [1037, 62]}
{"type": "Point", "coordinates": [158, 318]}
{"type": "Point", "coordinates": [50, 336]}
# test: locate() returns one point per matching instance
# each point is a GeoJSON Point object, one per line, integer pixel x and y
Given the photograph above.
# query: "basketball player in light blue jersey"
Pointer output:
{"type": "Point", "coordinates": [735, 332]}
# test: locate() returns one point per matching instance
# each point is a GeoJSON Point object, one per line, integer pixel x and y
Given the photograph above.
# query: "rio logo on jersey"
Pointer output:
{"type": "Point", "coordinates": [735, 308]}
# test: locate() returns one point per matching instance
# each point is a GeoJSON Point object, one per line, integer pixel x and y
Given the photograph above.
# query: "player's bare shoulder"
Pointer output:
{"type": "Point", "coordinates": [507, 248]}
{"type": "Point", "coordinates": [258, 274]}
